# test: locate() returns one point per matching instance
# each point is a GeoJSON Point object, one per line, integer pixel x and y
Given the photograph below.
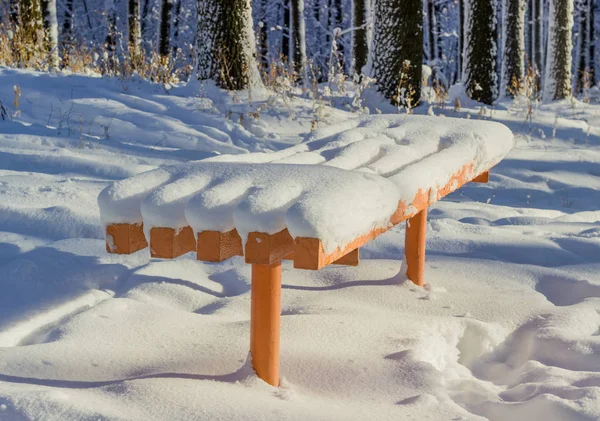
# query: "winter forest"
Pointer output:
{"type": "Point", "coordinates": [544, 48]}
{"type": "Point", "coordinates": [299, 210]}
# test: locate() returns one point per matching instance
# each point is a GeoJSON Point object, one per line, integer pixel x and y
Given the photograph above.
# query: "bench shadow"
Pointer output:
{"type": "Point", "coordinates": [242, 373]}
{"type": "Point", "coordinates": [398, 279]}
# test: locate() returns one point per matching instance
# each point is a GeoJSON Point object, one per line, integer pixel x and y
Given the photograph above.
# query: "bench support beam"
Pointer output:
{"type": "Point", "coordinates": [265, 320]}
{"type": "Point", "coordinates": [414, 247]}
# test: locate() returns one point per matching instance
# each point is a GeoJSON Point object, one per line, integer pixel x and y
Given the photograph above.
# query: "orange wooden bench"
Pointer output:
{"type": "Point", "coordinates": [378, 158]}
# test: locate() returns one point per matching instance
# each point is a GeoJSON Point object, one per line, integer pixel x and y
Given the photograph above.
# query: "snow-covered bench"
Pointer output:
{"type": "Point", "coordinates": [315, 203]}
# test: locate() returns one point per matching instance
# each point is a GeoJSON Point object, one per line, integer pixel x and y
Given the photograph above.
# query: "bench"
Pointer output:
{"type": "Point", "coordinates": [315, 203]}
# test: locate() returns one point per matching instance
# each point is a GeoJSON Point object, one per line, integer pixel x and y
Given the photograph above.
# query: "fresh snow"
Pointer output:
{"type": "Point", "coordinates": [388, 160]}
{"type": "Point", "coordinates": [507, 327]}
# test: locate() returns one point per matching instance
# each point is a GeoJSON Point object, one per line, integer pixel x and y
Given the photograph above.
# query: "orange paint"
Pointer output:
{"type": "Point", "coordinates": [414, 247]}
{"type": "Point", "coordinates": [214, 246]}
{"type": "Point", "coordinates": [168, 243]}
{"type": "Point", "coordinates": [484, 177]}
{"type": "Point", "coordinates": [265, 319]}
{"type": "Point", "coordinates": [125, 238]}
{"type": "Point", "coordinates": [265, 249]}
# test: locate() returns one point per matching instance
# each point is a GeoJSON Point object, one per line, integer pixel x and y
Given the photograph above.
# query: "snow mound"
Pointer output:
{"type": "Point", "coordinates": [368, 165]}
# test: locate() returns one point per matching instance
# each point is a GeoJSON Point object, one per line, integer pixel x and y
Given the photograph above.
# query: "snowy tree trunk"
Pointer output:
{"type": "Point", "coordinates": [592, 43]}
{"type": "Point", "coordinates": [285, 33]}
{"type": "Point", "coordinates": [30, 29]}
{"type": "Point", "coordinates": [176, 28]}
{"type": "Point", "coordinates": [557, 84]}
{"type": "Point", "coordinates": [396, 61]}
{"type": "Point", "coordinates": [111, 36]}
{"type": "Point", "coordinates": [582, 59]}
{"type": "Point", "coordinates": [135, 32]}
{"type": "Point", "coordinates": [481, 50]}
{"type": "Point", "coordinates": [537, 58]}
{"type": "Point", "coordinates": [529, 28]}
{"type": "Point", "coordinates": [439, 34]}
{"type": "Point", "coordinates": [67, 30]}
{"type": "Point", "coordinates": [51, 31]}
{"type": "Point", "coordinates": [263, 46]}
{"type": "Point", "coordinates": [461, 39]}
{"type": "Point", "coordinates": [164, 37]}
{"type": "Point", "coordinates": [144, 17]}
{"type": "Point", "coordinates": [513, 69]}
{"type": "Point", "coordinates": [298, 36]}
{"type": "Point", "coordinates": [226, 52]}
{"type": "Point", "coordinates": [336, 17]}
{"type": "Point", "coordinates": [360, 46]}
{"type": "Point", "coordinates": [432, 26]}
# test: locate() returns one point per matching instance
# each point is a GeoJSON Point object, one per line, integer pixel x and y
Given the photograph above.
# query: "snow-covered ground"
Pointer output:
{"type": "Point", "coordinates": [507, 328]}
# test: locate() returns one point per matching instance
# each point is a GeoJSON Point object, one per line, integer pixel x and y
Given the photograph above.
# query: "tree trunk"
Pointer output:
{"type": "Point", "coordinates": [592, 43]}
{"type": "Point", "coordinates": [225, 44]}
{"type": "Point", "coordinates": [582, 65]}
{"type": "Point", "coordinates": [135, 32]}
{"type": "Point", "coordinates": [298, 35]}
{"type": "Point", "coordinates": [557, 84]}
{"type": "Point", "coordinates": [285, 33]}
{"type": "Point", "coordinates": [336, 21]}
{"type": "Point", "coordinates": [529, 29]}
{"type": "Point", "coordinates": [513, 69]}
{"type": "Point", "coordinates": [144, 17]}
{"type": "Point", "coordinates": [461, 39]}
{"type": "Point", "coordinates": [439, 37]}
{"type": "Point", "coordinates": [176, 29]}
{"type": "Point", "coordinates": [30, 30]}
{"type": "Point", "coordinates": [111, 36]}
{"type": "Point", "coordinates": [480, 51]}
{"type": "Point", "coordinates": [68, 34]}
{"type": "Point", "coordinates": [164, 40]}
{"type": "Point", "coordinates": [360, 46]}
{"type": "Point", "coordinates": [398, 50]}
{"type": "Point", "coordinates": [537, 57]}
{"type": "Point", "coordinates": [50, 31]}
{"type": "Point", "coordinates": [431, 23]}
{"type": "Point", "coordinates": [263, 46]}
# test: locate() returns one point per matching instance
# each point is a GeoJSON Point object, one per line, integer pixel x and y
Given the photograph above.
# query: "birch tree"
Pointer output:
{"type": "Point", "coordinates": [298, 37]}
{"type": "Point", "coordinates": [396, 61]}
{"type": "Point", "coordinates": [134, 38]}
{"type": "Point", "coordinates": [557, 83]}
{"type": "Point", "coordinates": [481, 50]}
{"type": "Point", "coordinates": [50, 31]}
{"type": "Point", "coordinates": [513, 69]}
{"type": "Point", "coordinates": [537, 41]}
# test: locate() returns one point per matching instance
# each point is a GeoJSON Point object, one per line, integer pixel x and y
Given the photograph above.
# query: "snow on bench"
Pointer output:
{"type": "Point", "coordinates": [315, 203]}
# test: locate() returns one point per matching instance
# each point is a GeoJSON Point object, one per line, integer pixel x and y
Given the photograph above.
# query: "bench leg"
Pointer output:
{"type": "Point", "coordinates": [414, 247]}
{"type": "Point", "coordinates": [265, 315]}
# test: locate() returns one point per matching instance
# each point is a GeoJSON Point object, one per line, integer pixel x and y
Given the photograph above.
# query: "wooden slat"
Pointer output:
{"type": "Point", "coordinates": [125, 238]}
{"type": "Point", "coordinates": [350, 259]}
{"type": "Point", "coordinates": [484, 177]}
{"type": "Point", "coordinates": [214, 246]}
{"type": "Point", "coordinates": [169, 243]}
{"type": "Point", "coordinates": [266, 249]}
